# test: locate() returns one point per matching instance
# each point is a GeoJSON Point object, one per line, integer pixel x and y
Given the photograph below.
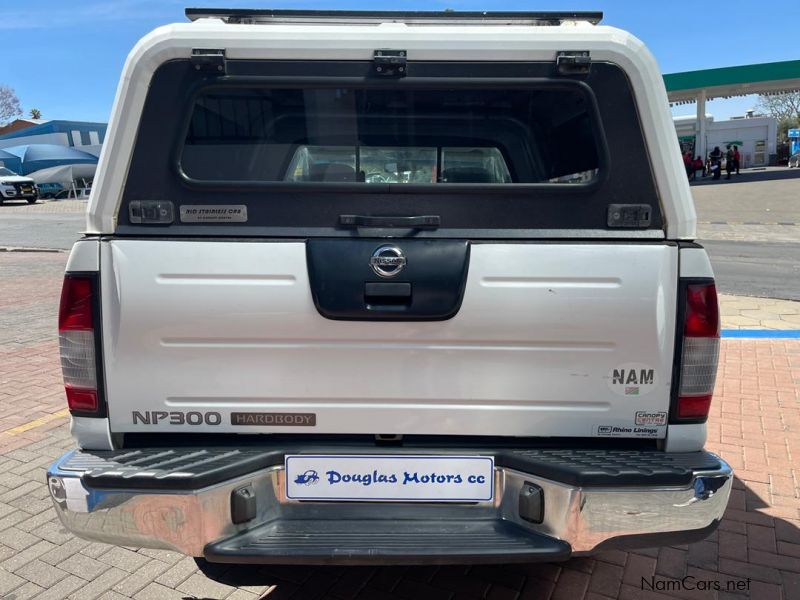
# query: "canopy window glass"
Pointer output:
{"type": "Point", "coordinates": [392, 136]}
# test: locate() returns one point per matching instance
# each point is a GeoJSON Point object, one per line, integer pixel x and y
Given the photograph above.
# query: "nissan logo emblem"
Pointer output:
{"type": "Point", "coordinates": [387, 261]}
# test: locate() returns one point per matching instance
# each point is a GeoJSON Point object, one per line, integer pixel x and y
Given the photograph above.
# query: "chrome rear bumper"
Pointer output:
{"type": "Point", "coordinates": [588, 518]}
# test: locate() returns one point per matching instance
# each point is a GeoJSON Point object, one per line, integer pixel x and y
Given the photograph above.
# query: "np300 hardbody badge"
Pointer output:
{"type": "Point", "coordinates": [153, 417]}
{"type": "Point", "coordinates": [408, 287]}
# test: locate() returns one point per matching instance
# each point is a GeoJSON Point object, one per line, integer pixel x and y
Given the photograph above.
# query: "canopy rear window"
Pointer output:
{"type": "Point", "coordinates": [492, 150]}
{"type": "Point", "coordinates": [540, 135]}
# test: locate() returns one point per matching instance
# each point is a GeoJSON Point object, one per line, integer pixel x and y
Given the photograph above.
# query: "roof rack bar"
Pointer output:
{"type": "Point", "coordinates": [256, 15]}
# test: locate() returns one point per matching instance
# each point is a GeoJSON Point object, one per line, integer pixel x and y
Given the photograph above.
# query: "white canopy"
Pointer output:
{"type": "Point", "coordinates": [64, 174]}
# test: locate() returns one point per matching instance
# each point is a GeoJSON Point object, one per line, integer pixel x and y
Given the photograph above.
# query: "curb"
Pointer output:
{"type": "Point", "coordinates": [784, 334]}
{"type": "Point", "coordinates": [26, 249]}
{"type": "Point", "coordinates": [785, 223]}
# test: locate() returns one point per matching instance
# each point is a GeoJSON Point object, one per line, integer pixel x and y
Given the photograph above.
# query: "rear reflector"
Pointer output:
{"type": "Point", "coordinates": [81, 400]}
{"type": "Point", "coordinates": [700, 353]}
{"type": "Point", "coordinates": [77, 342]}
{"type": "Point", "coordinates": [692, 407]}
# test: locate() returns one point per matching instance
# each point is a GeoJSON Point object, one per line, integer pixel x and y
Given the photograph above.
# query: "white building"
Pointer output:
{"type": "Point", "coordinates": [756, 136]}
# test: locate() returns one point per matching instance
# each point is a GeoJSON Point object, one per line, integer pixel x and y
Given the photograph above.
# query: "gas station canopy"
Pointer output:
{"type": "Point", "coordinates": [726, 82]}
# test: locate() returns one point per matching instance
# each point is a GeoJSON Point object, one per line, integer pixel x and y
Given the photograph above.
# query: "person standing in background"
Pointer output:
{"type": "Point", "coordinates": [715, 163]}
{"type": "Point", "coordinates": [729, 162]}
{"type": "Point", "coordinates": [698, 165]}
{"type": "Point", "coordinates": [736, 158]}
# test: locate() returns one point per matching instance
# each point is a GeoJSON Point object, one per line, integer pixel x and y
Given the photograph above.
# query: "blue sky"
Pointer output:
{"type": "Point", "coordinates": [64, 56]}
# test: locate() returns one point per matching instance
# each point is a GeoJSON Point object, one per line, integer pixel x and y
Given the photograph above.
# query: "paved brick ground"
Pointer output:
{"type": "Point", "coordinates": [754, 425]}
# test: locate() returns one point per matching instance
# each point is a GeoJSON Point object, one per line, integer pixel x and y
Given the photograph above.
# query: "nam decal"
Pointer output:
{"type": "Point", "coordinates": [632, 379]}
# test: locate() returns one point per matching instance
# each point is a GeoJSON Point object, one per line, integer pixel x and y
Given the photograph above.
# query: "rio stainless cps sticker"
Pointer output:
{"type": "Point", "coordinates": [632, 379]}
{"type": "Point", "coordinates": [213, 213]}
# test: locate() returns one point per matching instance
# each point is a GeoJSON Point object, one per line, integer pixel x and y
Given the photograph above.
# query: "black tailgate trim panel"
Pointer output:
{"type": "Point", "coordinates": [339, 271]}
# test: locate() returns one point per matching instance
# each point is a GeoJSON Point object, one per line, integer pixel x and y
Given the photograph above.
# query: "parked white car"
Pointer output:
{"type": "Point", "coordinates": [368, 287]}
{"type": "Point", "coordinates": [16, 187]}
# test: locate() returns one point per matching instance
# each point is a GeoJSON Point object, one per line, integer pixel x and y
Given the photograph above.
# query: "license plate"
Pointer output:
{"type": "Point", "coordinates": [390, 478]}
{"type": "Point", "coordinates": [26, 189]}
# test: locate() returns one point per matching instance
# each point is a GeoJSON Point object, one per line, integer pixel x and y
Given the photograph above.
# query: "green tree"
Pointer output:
{"type": "Point", "coordinates": [35, 113]}
{"type": "Point", "coordinates": [784, 107]}
{"type": "Point", "coordinates": [780, 106]}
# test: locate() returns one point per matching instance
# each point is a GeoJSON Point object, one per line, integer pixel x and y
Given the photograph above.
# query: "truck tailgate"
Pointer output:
{"type": "Point", "coordinates": [551, 339]}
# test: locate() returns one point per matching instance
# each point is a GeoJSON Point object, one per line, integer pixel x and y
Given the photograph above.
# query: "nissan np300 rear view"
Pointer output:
{"type": "Point", "coordinates": [386, 287]}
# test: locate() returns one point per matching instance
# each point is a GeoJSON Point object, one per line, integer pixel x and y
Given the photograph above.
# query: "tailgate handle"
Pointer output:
{"type": "Point", "coordinates": [387, 296]}
{"type": "Point", "coordinates": [416, 222]}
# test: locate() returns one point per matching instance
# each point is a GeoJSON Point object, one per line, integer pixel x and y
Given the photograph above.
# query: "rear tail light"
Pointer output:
{"type": "Point", "coordinates": [76, 336]}
{"type": "Point", "coordinates": [700, 351]}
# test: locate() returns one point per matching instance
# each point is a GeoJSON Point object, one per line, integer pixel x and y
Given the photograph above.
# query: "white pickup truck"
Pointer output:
{"type": "Point", "coordinates": [375, 287]}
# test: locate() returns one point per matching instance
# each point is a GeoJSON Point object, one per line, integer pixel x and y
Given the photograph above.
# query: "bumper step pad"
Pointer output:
{"type": "Point", "coordinates": [194, 468]}
{"type": "Point", "coordinates": [168, 468]}
{"type": "Point", "coordinates": [610, 467]}
{"type": "Point", "coordinates": [398, 542]}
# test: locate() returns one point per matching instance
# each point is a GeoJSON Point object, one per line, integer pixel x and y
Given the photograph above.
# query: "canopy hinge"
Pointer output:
{"type": "Point", "coordinates": [389, 63]}
{"type": "Point", "coordinates": [573, 62]}
{"type": "Point", "coordinates": [211, 60]}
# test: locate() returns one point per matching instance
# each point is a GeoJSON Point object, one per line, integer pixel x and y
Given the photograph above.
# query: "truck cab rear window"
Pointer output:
{"type": "Point", "coordinates": [397, 164]}
{"type": "Point", "coordinates": [392, 136]}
